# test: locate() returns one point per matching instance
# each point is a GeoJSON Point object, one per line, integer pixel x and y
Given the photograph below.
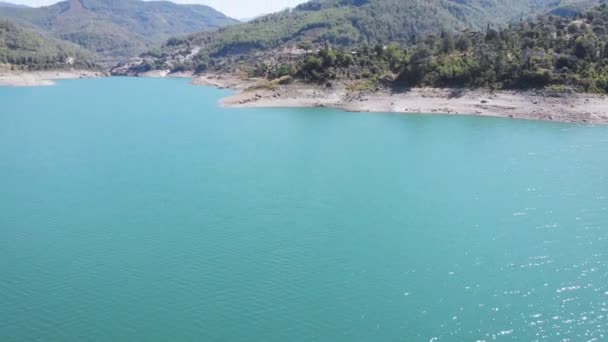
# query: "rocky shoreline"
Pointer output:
{"type": "Point", "coordinates": [531, 105]}
{"type": "Point", "coordinates": [43, 78]}
{"type": "Point", "coordinates": [251, 92]}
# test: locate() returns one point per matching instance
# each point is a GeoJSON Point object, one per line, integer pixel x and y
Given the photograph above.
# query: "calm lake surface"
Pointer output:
{"type": "Point", "coordinates": [139, 210]}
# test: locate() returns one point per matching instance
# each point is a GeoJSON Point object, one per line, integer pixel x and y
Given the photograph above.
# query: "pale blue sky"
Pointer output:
{"type": "Point", "coordinates": [233, 8]}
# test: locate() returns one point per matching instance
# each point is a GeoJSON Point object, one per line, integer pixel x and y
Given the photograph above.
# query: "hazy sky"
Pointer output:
{"type": "Point", "coordinates": [233, 8]}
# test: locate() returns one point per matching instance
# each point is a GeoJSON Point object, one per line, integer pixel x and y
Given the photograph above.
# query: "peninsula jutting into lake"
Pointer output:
{"type": "Point", "coordinates": [170, 173]}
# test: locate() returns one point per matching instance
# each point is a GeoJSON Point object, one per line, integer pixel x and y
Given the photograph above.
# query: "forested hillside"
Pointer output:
{"type": "Point", "coordinates": [566, 53]}
{"type": "Point", "coordinates": [117, 28]}
{"type": "Point", "coordinates": [569, 54]}
{"type": "Point", "coordinates": [357, 22]}
{"type": "Point", "coordinates": [28, 50]}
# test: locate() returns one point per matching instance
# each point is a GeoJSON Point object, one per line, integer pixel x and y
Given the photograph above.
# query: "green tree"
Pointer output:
{"type": "Point", "coordinates": [447, 42]}
{"type": "Point", "coordinates": [464, 43]}
{"type": "Point", "coordinates": [305, 45]}
{"type": "Point", "coordinates": [379, 50]}
{"type": "Point", "coordinates": [584, 48]}
{"type": "Point", "coordinates": [328, 57]}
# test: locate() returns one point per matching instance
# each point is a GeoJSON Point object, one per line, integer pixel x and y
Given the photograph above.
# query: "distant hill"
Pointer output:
{"type": "Point", "coordinates": [117, 28]}
{"type": "Point", "coordinates": [348, 23]}
{"type": "Point", "coordinates": [8, 4]}
{"type": "Point", "coordinates": [24, 49]}
{"type": "Point", "coordinates": [570, 9]}
{"type": "Point", "coordinates": [557, 53]}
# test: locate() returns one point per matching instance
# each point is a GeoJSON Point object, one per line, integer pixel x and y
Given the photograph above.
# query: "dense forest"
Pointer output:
{"type": "Point", "coordinates": [564, 48]}
{"type": "Point", "coordinates": [357, 22]}
{"type": "Point", "coordinates": [569, 53]}
{"type": "Point", "coordinates": [29, 50]}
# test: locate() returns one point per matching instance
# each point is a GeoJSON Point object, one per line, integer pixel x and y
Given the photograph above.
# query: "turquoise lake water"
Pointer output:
{"type": "Point", "coordinates": [139, 210]}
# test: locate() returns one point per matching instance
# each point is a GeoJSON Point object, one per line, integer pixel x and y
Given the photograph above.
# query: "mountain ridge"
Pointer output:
{"type": "Point", "coordinates": [117, 28]}
{"type": "Point", "coordinates": [342, 23]}
{"type": "Point", "coordinates": [12, 5]}
{"type": "Point", "coordinates": [23, 49]}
